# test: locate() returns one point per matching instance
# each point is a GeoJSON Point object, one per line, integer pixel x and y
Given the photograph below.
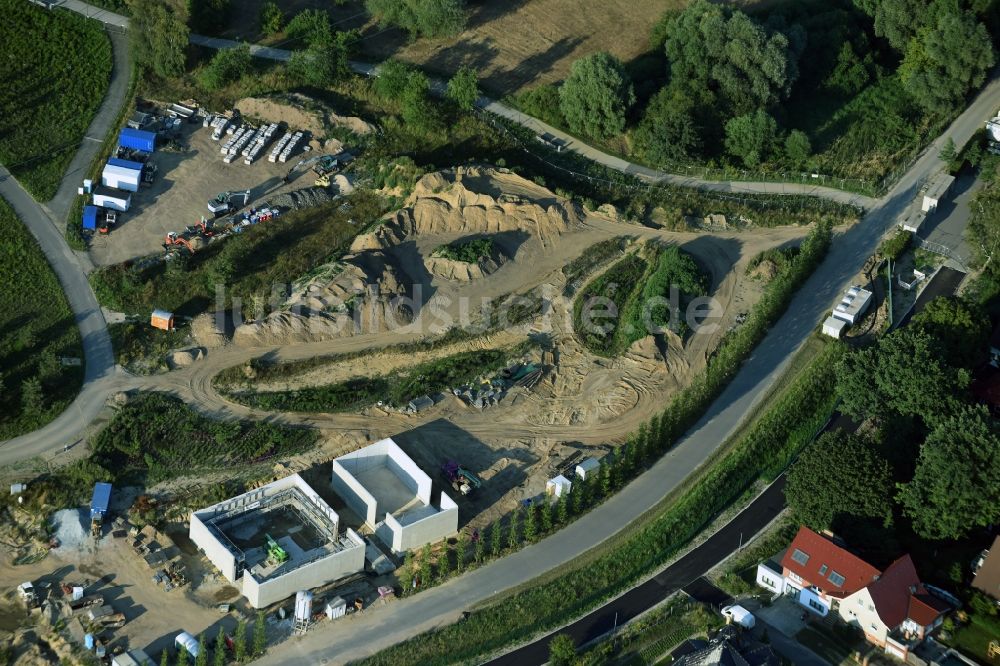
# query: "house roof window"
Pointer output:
{"type": "Point", "coordinates": [800, 557]}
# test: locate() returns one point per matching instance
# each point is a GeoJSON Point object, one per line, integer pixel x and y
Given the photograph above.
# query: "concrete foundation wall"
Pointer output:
{"type": "Point", "coordinates": [435, 527]}
{"type": "Point", "coordinates": [346, 562]}
{"type": "Point", "coordinates": [408, 472]}
{"type": "Point", "coordinates": [353, 493]}
{"type": "Point", "coordinates": [216, 553]}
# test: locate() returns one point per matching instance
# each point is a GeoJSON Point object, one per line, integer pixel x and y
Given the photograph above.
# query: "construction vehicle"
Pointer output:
{"type": "Point", "coordinates": [324, 164]}
{"type": "Point", "coordinates": [202, 228]}
{"type": "Point", "coordinates": [173, 238]}
{"type": "Point", "coordinates": [26, 592]}
{"type": "Point", "coordinates": [461, 479]}
{"type": "Point", "coordinates": [110, 219]}
{"type": "Point", "coordinates": [226, 202]}
{"type": "Point", "coordinates": [275, 553]}
{"type": "Point", "coordinates": [86, 602]}
{"type": "Point", "coordinates": [323, 181]}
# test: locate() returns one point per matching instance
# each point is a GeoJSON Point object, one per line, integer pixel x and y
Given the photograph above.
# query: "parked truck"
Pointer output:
{"type": "Point", "coordinates": [226, 202]}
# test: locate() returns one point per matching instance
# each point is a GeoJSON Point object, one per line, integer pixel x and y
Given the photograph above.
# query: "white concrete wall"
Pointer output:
{"type": "Point", "coordinates": [407, 471]}
{"type": "Point", "coordinates": [216, 553]}
{"type": "Point", "coordinates": [353, 493]}
{"type": "Point", "coordinates": [435, 527]}
{"type": "Point", "coordinates": [346, 562]}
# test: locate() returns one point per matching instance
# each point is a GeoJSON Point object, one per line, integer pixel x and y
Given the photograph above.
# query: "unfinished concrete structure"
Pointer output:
{"type": "Point", "coordinates": [393, 496]}
{"type": "Point", "coordinates": [237, 535]}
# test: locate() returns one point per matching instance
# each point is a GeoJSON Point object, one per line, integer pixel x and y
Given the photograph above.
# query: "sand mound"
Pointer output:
{"type": "Point", "coordinates": [462, 271]}
{"type": "Point", "coordinates": [765, 270]}
{"type": "Point", "coordinates": [206, 333]}
{"type": "Point", "coordinates": [300, 112]}
{"type": "Point", "coordinates": [182, 358]}
{"type": "Point", "coordinates": [473, 200]}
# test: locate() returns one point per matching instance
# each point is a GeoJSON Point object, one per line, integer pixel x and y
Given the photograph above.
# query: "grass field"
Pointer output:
{"type": "Point", "coordinates": [36, 328]}
{"type": "Point", "coordinates": [56, 69]}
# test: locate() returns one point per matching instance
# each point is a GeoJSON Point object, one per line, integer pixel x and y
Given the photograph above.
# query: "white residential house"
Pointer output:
{"type": "Point", "coordinates": [893, 608]}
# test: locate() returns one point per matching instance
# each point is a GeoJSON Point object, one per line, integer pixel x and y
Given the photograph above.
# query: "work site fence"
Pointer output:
{"type": "Point", "coordinates": [630, 182]}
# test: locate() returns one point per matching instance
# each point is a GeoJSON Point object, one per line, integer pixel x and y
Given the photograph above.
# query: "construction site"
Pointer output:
{"type": "Point", "coordinates": [182, 177]}
{"type": "Point", "coordinates": [308, 551]}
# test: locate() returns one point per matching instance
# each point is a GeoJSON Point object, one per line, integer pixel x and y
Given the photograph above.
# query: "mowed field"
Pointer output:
{"type": "Point", "coordinates": [36, 329]}
{"type": "Point", "coordinates": [56, 68]}
{"type": "Point", "coordinates": [514, 44]}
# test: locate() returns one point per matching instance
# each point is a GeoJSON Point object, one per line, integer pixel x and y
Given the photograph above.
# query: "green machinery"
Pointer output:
{"type": "Point", "coordinates": [275, 553]}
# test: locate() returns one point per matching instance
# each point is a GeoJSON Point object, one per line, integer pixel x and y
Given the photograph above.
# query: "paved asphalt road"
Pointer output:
{"type": "Point", "coordinates": [694, 564]}
{"type": "Point", "coordinates": [370, 632]}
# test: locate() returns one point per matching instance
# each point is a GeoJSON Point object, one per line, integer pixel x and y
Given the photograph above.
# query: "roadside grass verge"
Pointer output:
{"type": "Point", "coordinates": [57, 69]}
{"type": "Point", "coordinates": [142, 349]}
{"type": "Point", "coordinates": [394, 389]}
{"type": "Point", "coordinates": [37, 328]}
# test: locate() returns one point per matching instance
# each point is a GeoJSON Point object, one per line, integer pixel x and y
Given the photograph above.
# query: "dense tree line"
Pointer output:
{"type": "Point", "coordinates": [735, 85]}
{"type": "Point", "coordinates": [928, 456]}
{"type": "Point", "coordinates": [421, 18]}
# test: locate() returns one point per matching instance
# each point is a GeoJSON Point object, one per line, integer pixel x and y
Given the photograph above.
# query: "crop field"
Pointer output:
{"type": "Point", "coordinates": [56, 69]}
{"type": "Point", "coordinates": [247, 264]}
{"type": "Point", "coordinates": [36, 329]}
{"type": "Point", "coordinates": [395, 389]}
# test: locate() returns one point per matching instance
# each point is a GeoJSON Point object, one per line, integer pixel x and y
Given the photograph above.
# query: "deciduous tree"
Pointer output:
{"type": "Point", "coordinates": [596, 95]}
{"type": "Point", "coordinates": [159, 37]}
{"type": "Point", "coordinates": [956, 487]}
{"type": "Point", "coordinates": [961, 328]}
{"type": "Point", "coordinates": [839, 475]}
{"type": "Point", "coordinates": [562, 650]}
{"type": "Point", "coordinates": [463, 88]}
{"type": "Point", "coordinates": [751, 137]}
{"type": "Point", "coordinates": [426, 18]}
{"type": "Point", "coordinates": [272, 19]}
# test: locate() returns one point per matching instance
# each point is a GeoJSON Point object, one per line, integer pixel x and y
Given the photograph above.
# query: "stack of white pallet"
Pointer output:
{"type": "Point", "coordinates": [278, 147]}
{"type": "Point", "coordinates": [290, 147]}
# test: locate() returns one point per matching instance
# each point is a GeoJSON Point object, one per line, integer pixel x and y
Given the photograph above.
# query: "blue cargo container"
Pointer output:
{"type": "Point", "coordinates": [90, 217]}
{"type": "Point", "coordinates": [99, 502]}
{"type": "Point", "coordinates": [125, 164]}
{"type": "Point", "coordinates": [137, 140]}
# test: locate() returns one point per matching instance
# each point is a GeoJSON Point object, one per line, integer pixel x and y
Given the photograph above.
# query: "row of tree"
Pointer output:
{"type": "Point", "coordinates": [221, 653]}
{"type": "Point", "coordinates": [927, 454]}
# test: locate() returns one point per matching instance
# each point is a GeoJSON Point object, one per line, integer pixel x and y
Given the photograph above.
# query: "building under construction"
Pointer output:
{"type": "Point", "coordinates": [276, 540]}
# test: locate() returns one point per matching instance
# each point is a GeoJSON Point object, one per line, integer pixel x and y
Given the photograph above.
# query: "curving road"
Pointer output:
{"type": "Point", "coordinates": [370, 632]}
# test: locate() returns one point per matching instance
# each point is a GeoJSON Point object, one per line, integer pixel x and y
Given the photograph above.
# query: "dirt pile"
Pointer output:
{"type": "Point", "coordinates": [766, 270]}
{"type": "Point", "coordinates": [300, 112]}
{"type": "Point", "coordinates": [307, 197]}
{"type": "Point", "coordinates": [474, 200]}
{"type": "Point", "coordinates": [462, 271]}
{"type": "Point", "coordinates": [206, 333]}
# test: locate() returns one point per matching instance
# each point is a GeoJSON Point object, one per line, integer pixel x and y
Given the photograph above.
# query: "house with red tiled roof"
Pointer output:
{"type": "Point", "coordinates": [892, 607]}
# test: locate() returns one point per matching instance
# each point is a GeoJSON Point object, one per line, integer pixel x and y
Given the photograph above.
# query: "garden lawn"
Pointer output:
{"type": "Point", "coordinates": [37, 327]}
{"type": "Point", "coordinates": [57, 65]}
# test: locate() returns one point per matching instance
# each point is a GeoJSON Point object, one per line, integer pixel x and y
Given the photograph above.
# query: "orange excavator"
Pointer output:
{"type": "Point", "coordinates": [201, 228]}
{"type": "Point", "coordinates": [173, 238]}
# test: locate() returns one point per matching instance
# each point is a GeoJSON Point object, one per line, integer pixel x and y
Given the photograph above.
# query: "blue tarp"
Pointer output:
{"type": "Point", "coordinates": [101, 499]}
{"type": "Point", "coordinates": [90, 217]}
{"type": "Point", "coordinates": [137, 139]}
{"type": "Point", "coordinates": [125, 164]}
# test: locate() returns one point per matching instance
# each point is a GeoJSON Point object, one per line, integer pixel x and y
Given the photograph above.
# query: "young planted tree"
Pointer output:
{"type": "Point", "coordinates": [426, 571]}
{"type": "Point", "coordinates": [182, 657]}
{"type": "Point", "coordinates": [219, 653]}
{"type": "Point", "coordinates": [480, 548]}
{"type": "Point", "coordinates": [164, 658]}
{"type": "Point", "coordinates": [259, 635]}
{"type": "Point", "coordinates": [496, 536]}
{"type": "Point", "coordinates": [531, 523]}
{"type": "Point", "coordinates": [546, 516]}
{"type": "Point", "coordinates": [240, 641]}
{"type": "Point", "coordinates": [513, 530]}
{"type": "Point", "coordinates": [461, 550]}
{"type": "Point", "coordinates": [201, 659]}
{"type": "Point", "coordinates": [405, 573]}
{"type": "Point", "coordinates": [562, 509]}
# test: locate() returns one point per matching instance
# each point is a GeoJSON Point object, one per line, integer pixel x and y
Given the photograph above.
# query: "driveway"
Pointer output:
{"type": "Point", "coordinates": [946, 226]}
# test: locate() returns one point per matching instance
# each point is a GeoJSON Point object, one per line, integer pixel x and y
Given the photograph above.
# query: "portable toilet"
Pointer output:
{"type": "Point", "coordinates": [587, 467]}
{"type": "Point", "coordinates": [336, 607]}
{"type": "Point", "coordinates": [188, 642]}
{"type": "Point", "coordinates": [90, 217]}
{"type": "Point", "coordinates": [162, 320]}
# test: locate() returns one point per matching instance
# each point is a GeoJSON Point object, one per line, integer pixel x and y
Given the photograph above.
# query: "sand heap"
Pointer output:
{"type": "Point", "coordinates": [473, 200]}
{"type": "Point", "coordinates": [300, 112]}
{"type": "Point", "coordinates": [462, 271]}
{"type": "Point", "coordinates": [360, 293]}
